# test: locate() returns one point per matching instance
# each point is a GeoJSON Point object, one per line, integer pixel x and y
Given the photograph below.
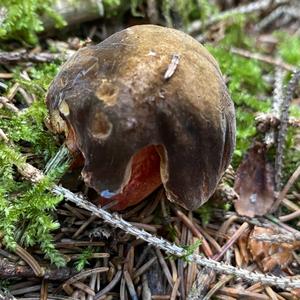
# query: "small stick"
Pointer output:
{"type": "Point", "coordinates": [209, 238]}
{"type": "Point", "coordinates": [271, 293]}
{"type": "Point", "coordinates": [264, 58]}
{"type": "Point", "coordinates": [3, 136]}
{"type": "Point", "coordinates": [290, 217]}
{"type": "Point", "coordinates": [130, 285]}
{"type": "Point", "coordinates": [164, 267]}
{"type": "Point", "coordinates": [144, 268]}
{"type": "Point", "coordinates": [6, 103]}
{"type": "Point", "coordinates": [85, 274]}
{"type": "Point", "coordinates": [85, 288]}
{"type": "Point", "coordinates": [123, 293]}
{"type": "Point", "coordinates": [287, 187]}
{"type": "Point", "coordinates": [284, 116]}
{"type": "Point", "coordinates": [188, 272]}
{"type": "Point", "coordinates": [226, 224]}
{"type": "Point", "coordinates": [71, 244]}
{"type": "Point", "coordinates": [142, 256]}
{"type": "Point", "coordinates": [187, 222]}
{"type": "Point", "coordinates": [92, 283]}
{"type": "Point", "coordinates": [23, 56]}
{"type": "Point", "coordinates": [93, 255]}
{"type": "Point", "coordinates": [180, 262]}
{"type": "Point", "coordinates": [44, 290]}
{"type": "Point", "coordinates": [84, 225]}
{"type": "Point", "coordinates": [175, 289]}
{"type": "Point", "coordinates": [146, 294]}
{"type": "Point", "coordinates": [240, 293]}
{"type": "Point", "coordinates": [232, 240]}
{"type": "Point", "coordinates": [12, 91]}
{"type": "Point", "coordinates": [217, 286]}
{"type": "Point", "coordinates": [30, 260]}
{"type": "Point", "coordinates": [174, 270]}
{"type": "Point", "coordinates": [110, 286]}
{"type": "Point", "coordinates": [6, 75]}
{"type": "Point", "coordinates": [30, 289]}
{"type": "Point", "coordinates": [129, 264]}
{"type": "Point", "coordinates": [150, 228]}
{"type": "Point", "coordinates": [74, 211]}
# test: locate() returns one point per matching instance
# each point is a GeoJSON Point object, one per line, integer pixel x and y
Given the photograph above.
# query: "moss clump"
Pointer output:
{"type": "Point", "coordinates": [288, 48]}
{"type": "Point", "coordinates": [26, 209]}
{"type": "Point", "coordinates": [247, 88]}
{"type": "Point", "coordinates": [22, 19]}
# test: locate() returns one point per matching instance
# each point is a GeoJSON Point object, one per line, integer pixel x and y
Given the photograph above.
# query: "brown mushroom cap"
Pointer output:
{"type": "Point", "coordinates": [147, 85]}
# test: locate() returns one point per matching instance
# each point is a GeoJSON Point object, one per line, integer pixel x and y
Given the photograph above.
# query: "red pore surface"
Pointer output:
{"type": "Point", "coordinates": [145, 178]}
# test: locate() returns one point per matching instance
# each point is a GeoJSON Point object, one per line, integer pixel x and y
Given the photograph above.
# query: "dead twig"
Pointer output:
{"type": "Point", "coordinates": [30, 260]}
{"type": "Point", "coordinates": [264, 58]}
{"type": "Point", "coordinates": [12, 270]}
{"type": "Point", "coordinates": [24, 56]}
{"type": "Point", "coordinates": [287, 187]}
{"type": "Point", "coordinates": [284, 116]}
{"type": "Point", "coordinates": [110, 286]}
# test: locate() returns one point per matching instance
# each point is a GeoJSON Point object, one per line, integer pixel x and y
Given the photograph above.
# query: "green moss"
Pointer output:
{"type": "Point", "coordinates": [83, 259]}
{"type": "Point", "coordinates": [26, 210]}
{"type": "Point", "coordinates": [245, 83]}
{"type": "Point", "coordinates": [23, 19]}
{"type": "Point", "coordinates": [188, 10]}
{"type": "Point", "coordinates": [288, 48]}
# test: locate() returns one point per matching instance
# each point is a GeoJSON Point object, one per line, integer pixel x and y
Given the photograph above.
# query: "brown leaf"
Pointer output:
{"type": "Point", "coordinates": [254, 183]}
{"type": "Point", "coordinates": [269, 255]}
{"type": "Point", "coordinates": [243, 246]}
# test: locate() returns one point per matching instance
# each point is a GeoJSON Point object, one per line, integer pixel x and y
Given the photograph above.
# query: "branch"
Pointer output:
{"type": "Point", "coordinates": [9, 270]}
{"type": "Point", "coordinates": [284, 118]}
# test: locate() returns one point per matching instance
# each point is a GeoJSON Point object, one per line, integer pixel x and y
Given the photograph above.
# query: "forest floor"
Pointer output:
{"type": "Point", "coordinates": [242, 244]}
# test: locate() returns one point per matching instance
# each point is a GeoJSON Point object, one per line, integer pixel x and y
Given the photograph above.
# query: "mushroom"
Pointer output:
{"type": "Point", "coordinates": [147, 106]}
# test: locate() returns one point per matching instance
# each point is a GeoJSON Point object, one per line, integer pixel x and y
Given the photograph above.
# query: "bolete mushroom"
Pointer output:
{"type": "Point", "coordinates": [146, 106]}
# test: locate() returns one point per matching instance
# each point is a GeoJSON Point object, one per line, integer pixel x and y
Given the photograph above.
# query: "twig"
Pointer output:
{"type": "Point", "coordinates": [12, 270]}
{"type": "Point", "coordinates": [205, 276]}
{"type": "Point", "coordinates": [164, 267]}
{"type": "Point", "coordinates": [85, 274]}
{"type": "Point", "coordinates": [30, 260]}
{"type": "Point", "coordinates": [144, 268]}
{"type": "Point", "coordinates": [130, 286]}
{"type": "Point", "coordinates": [276, 103]}
{"type": "Point", "coordinates": [243, 9]}
{"type": "Point", "coordinates": [290, 216]}
{"type": "Point", "coordinates": [85, 288]}
{"type": "Point", "coordinates": [277, 238]}
{"type": "Point", "coordinates": [264, 58]}
{"type": "Point", "coordinates": [188, 223]}
{"type": "Point", "coordinates": [110, 286]}
{"type": "Point", "coordinates": [24, 56]}
{"type": "Point", "coordinates": [146, 295]}
{"type": "Point", "coordinates": [175, 289]}
{"type": "Point", "coordinates": [287, 187]}
{"type": "Point", "coordinates": [284, 116]}
{"type": "Point", "coordinates": [217, 286]}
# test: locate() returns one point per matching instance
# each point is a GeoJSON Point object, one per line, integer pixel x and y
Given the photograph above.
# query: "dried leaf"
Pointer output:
{"type": "Point", "coordinates": [269, 255]}
{"type": "Point", "coordinates": [254, 183]}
